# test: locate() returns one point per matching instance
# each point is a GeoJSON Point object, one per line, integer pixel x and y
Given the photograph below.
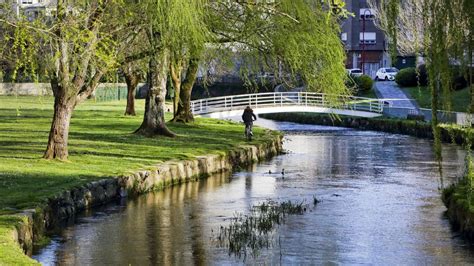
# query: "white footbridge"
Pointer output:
{"type": "Point", "coordinates": [287, 102]}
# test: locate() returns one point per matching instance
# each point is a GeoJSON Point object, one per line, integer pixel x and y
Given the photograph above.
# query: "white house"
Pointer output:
{"type": "Point", "coordinates": [31, 8]}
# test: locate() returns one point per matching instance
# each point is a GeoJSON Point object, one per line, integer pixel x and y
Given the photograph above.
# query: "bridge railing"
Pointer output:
{"type": "Point", "coordinates": [281, 99]}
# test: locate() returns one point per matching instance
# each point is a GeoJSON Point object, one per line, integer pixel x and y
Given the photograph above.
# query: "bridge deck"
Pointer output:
{"type": "Point", "coordinates": [278, 102]}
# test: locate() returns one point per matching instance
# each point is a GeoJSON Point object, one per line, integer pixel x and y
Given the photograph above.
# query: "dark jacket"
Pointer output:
{"type": "Point", "coordinates": [248, 115]}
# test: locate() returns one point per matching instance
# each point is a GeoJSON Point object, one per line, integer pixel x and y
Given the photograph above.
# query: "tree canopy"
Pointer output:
{"type": "Point", "coordinates": [82, 41]}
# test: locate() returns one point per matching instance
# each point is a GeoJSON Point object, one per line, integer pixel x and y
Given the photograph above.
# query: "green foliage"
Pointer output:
{"type": "Point", "coordinates": [392, 11]}
{"type": "Point", "coordinates": [350, 82]}
{"type": "Point", "coordinates": [407, 77]}
{"type": "Point", "coordinates": [296, 40]}
{"type": "Point", "coordinates": [446, 29]}
{"type": "Point", "coordinates": [364, 82]}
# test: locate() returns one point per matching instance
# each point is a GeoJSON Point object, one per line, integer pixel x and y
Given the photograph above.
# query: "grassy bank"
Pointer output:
{"type": "Point", "coordinates": [459, 197]}
{"type": "Point", "coordinates": [101, 145]}
{"type": "Point", "coordinates": [460, 99]}
{"type": "Point", "coordinates": [390, 125]}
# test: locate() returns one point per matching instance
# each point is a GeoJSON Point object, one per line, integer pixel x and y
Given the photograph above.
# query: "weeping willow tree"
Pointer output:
{"type": "Point", "coordinates": [170, 26]}
{"type": "Point", "coordinates": [76, 46]}
{"type": "Point", "coordinates": [441, 31]}
{"type": "Point", "coordinates": [298, 40]}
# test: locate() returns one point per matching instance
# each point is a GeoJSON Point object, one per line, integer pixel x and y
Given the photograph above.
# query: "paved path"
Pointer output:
{"type": "Point", "coordinates": [390, 90]}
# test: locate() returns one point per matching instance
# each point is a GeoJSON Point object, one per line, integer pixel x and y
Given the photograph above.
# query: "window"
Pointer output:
{"type": "Point", "coordinates": [27, 2]}
{"type": "Point", "coordinates": [367, 37]}
{"type": "Point", "coordinates": [368, 13]}
{"type": "Point", "coordinates": [344, 36]}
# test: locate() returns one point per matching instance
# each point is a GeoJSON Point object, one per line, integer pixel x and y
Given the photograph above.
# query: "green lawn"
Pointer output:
{"type": "Point", "coordinates": [101, 145]}
{"type": "Point", "coordinates": [460, 99]}
{"type": "Point", "coordinates": [367, 94]}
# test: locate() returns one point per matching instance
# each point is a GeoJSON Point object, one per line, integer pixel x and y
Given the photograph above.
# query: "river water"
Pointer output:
{"type": "Point", "coordinates": [380, 204]}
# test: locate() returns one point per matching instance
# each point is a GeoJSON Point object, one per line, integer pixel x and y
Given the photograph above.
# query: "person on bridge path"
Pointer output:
{"type": "Point", "coordinates": [248, 116]}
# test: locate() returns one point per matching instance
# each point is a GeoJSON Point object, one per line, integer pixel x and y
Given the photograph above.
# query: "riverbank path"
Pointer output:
{"type": "Point", "coordinates": [390, 90]}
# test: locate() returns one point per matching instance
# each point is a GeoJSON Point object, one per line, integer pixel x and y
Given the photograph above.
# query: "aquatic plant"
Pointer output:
{"type": "Point", "coordinates": [251, 232]}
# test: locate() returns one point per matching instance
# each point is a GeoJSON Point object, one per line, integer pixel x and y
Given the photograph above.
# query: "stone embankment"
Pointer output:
{"type": "Point", "coordinates": [64, 206]}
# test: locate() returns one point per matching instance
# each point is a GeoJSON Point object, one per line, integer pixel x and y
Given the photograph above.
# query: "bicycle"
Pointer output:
{"type": "Point", "coordinates": [248, 131]}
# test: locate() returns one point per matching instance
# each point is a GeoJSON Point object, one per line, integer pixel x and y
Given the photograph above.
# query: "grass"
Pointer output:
{"type": "Point", "coordinates": [10, 251]}
{"type": "Point", "coordinates": [367, 94]}
{"type": "Point", "coordinates": [101, 145]}
{"type": "Point", "coordinates": [460, 99]}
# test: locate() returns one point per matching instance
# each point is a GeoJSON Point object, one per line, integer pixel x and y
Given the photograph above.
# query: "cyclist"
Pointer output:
{"type": "Point", "coordinates": [248, 116]}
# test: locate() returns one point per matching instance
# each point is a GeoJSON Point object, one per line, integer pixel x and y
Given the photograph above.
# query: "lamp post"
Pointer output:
{"type": "Point", "coordinates": [362, 61]}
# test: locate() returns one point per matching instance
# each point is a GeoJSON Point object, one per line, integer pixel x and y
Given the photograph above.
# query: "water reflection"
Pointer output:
{"type": "Point", "coordinates": [380, 205]}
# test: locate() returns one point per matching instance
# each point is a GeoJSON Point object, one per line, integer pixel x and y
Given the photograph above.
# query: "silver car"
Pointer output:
{"type": "Point", "coordinates": [386, 73]}
{"type": "Point", "coordinates": [355, 72]}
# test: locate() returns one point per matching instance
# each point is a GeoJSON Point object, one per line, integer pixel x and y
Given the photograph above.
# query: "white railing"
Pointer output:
{"type": "Point", "coordinates": [285, 99]}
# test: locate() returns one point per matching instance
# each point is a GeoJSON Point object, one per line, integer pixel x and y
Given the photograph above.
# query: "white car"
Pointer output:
{"type": "Point", "coordinates": [386, 73]}
{"type": "Point", "coordinates": [355, 72]}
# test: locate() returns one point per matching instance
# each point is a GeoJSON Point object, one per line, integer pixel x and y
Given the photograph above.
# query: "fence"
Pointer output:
{"type": "Point", "coordinates": [110, 93]}
{"type": "Point", "coordinates": [104, 92]}
{"type": "Point", "coordinates": [459, 118]}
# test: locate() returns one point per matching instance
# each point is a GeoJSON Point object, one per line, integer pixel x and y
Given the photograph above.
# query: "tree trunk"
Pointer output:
{"type": "Point", "coordinates": [132, 82]}
{"type": "Point", "coordinates": [58, 135]}
{"type": "Point", "coordinates": [471, 83]}
{"type": "Point", "coordinates": [176, 79]}
{"type": "Point", "coordinates": [154, 117]}
{"type": "Point", "coordinates": [184, 113]}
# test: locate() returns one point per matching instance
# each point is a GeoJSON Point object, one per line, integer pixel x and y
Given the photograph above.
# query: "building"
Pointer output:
{"type": "Point", "coordinates": [365, 44]}
{"type": "Point", "coordinates": [31, 8]}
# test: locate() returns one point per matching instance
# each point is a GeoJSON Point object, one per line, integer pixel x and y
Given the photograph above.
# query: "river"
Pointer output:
{"type": "Point", "coordinates": [380, 204]}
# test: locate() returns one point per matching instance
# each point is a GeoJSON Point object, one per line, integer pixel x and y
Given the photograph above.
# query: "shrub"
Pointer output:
{"type": "Point", "coordinates": [407, 77]}
{"type": "Point", "coordinates": [459, 83]}
{"type": "Point", "coordinates": [422, 75]}
{"type": "Point", "coordinates": [460, 77]}
{"type": "Point", "coordinates": [364, 83]}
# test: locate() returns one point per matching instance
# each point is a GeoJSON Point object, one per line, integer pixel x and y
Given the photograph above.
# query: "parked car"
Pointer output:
{"type": "Point", "coordinates": [355, 72]}
{"type": "Point", "coordinates": [386, 73]}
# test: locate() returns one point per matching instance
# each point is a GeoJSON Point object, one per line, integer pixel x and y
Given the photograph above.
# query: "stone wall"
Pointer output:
{"type": "Point", "coordinates": [67, 204]}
